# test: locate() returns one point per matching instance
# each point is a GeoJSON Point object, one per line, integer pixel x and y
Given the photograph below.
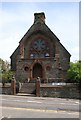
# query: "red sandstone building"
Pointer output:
{"type": "Point", "coordinates": [40, 54]}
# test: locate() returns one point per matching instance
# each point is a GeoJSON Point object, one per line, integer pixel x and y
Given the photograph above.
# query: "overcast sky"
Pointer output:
{"type": "Point", "coordinates": [16, 18]}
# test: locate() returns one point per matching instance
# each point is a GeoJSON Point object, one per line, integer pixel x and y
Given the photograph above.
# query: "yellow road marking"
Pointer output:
{"type": "Point", "coordinates": [42, 110]}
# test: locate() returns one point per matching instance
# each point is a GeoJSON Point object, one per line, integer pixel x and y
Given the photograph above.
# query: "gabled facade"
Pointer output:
{"type": "Point", "coordinates": [40, 54]}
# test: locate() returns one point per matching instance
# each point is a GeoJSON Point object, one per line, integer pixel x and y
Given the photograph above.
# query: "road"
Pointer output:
{"type": "Point", "coordinates": [38, 107]}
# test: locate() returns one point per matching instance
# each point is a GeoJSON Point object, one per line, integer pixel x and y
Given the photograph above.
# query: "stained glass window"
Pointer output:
{"type": "Point", "coordinates": [39, 49]}
{"type": "Point", "coordinates": [39, 45]}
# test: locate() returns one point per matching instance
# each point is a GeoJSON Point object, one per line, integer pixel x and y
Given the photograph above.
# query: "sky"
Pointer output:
{"type": "Point", "coordinates": [17, 17]}
{"type": "Point", "coordinates": [80, 31]}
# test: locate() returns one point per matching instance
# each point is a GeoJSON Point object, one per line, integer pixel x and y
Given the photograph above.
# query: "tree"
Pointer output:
{"type": "Point", "coordinates": [5, 72]}
{"type": "Point", "coordinates": [74, 72]}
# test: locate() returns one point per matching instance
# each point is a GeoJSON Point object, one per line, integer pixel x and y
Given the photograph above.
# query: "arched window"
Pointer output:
{"type": "Point", "coordinates": [39, 49]}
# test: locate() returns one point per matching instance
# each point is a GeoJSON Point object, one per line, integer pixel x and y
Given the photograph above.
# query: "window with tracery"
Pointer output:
{"type": "Point", "coordinates": [39, 49]}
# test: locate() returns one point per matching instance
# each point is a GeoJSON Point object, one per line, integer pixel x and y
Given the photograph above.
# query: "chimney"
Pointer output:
{"type": "Point", "coordinates": [39, 17]}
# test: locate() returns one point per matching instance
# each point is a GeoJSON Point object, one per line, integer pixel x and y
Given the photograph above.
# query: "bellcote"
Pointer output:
{"type": "Point", "coordinates": [39, 17]}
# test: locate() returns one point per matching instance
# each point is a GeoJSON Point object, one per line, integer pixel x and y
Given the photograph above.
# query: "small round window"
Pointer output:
{"type": "Point", "coordinates": [26, 68]}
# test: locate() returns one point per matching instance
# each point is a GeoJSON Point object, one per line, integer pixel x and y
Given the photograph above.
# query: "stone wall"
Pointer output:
{"type": "Point", "coordinates": [48, 90]}
{"type": "Point", "coordinates": [5, 89]}
{"type": "Point", "coordinates": [59, 59]}
{"type": "Point", "coordinates": [60, 91]}
{"type": "Point", "coordinates": [52, 72]}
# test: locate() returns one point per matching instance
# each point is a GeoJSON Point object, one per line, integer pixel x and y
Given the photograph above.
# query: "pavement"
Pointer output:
{"type": "Point", "coordinates": [32, 96]}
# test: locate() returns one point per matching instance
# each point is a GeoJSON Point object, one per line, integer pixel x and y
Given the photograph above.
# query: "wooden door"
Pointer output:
{"type": "Point", "coordinates": [37, 71]}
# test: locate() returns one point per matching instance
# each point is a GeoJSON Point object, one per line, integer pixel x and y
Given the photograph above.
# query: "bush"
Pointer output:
{"type": "Point", "coordinates": [74, 72]}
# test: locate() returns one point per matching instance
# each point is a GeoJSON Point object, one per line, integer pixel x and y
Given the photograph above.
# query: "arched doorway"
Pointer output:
{"type": "Point", "coordinates": [37, 71]}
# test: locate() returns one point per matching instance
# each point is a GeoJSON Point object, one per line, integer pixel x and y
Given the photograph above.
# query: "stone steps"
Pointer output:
{"type": "Point", "coordinates": [24, 94]}
{"type": "Point", "coordinates": [28, 88]}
